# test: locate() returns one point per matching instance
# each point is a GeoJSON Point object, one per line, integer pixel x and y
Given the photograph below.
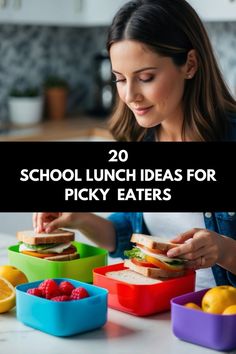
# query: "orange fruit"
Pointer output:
{"type": "Point", "coordinates": [7, 295]}
{"type": "Point", "coordinates": [14, 275]}
{"type": "Point", "coordinates": [192, 305]}
{"type": "Point", "coordinates": [230, 310]}
{"type": "Point", "coordinates": [218, 298]}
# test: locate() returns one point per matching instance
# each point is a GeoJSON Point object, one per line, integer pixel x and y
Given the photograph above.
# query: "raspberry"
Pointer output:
{"type": "Point", "coordinates": [66, 288]}
{"type": "Point", "coordinates": [61, 298]}
{"type": "Point", "coordinates": [79, 293]}
{"type": "Point", "coordinates": [49, 288]}
{"type": "Point", "coordinates": [35, 292]}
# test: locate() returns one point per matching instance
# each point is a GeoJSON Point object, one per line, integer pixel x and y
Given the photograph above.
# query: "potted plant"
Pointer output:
{"type": "Point", "coordinates": [25, 106]}
{"type": "Point", "coordinates": [56, 91]}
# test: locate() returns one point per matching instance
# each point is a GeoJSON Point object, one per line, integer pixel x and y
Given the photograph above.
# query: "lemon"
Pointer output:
{"type": "Point", "coordinates": [230, 310]}
{"type": "Point", "coordinates": [192, 305]}
{"type": "Point", "coordinates": [7, 295]}
{"type": "Point", "coordinates": [218, 298]}
{"type": "Point", "coordinates": [14, 275]}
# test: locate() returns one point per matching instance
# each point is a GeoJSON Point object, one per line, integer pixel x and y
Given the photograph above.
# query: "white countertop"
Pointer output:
{"type": "Point", "coordinates": [122, 333]}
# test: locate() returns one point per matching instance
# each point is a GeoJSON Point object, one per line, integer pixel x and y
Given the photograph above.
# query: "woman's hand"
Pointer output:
{"type": "Point", "coordinates": [47, 222]}
{"type": "Point", "coordinates": [200, 246]}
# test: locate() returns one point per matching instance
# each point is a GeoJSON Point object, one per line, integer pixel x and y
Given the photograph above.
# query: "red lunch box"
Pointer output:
{"type": "Point", "coordinates": [141, 300]}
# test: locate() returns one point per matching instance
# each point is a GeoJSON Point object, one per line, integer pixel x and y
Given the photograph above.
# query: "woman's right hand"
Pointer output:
{"type": "Point", "coordinates": [47, 222]}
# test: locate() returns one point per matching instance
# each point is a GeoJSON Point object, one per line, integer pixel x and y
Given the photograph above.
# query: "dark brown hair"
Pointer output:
{"type": "Point", "coordinates": [172, 28]}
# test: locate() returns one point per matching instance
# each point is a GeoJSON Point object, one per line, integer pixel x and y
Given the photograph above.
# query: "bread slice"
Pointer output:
{"type": "Point", "coordinates": [63, 257]}
{"type": "Point", "coordinates": [33, 238]}
{"type": "Point", "coordinates": [153, 242]}
{"type": "Point", "coordinates": [131, 277]}
{"type": "Point", "coordinates": [155, 273]}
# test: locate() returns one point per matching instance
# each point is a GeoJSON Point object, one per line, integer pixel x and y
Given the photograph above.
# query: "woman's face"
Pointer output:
{"type": "Point", "coordinates": [151, 85]}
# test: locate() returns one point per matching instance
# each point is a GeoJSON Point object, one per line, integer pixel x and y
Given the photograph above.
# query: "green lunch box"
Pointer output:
{"type": "Point", "coordinates": [79, 269]}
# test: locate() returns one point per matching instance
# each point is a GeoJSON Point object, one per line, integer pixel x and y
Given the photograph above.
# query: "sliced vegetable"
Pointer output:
{"type": "Point", "coordinates": [163, 265]}
{"type": "Point", "coordinates": [145, 257]}
{"type": "Point", "coordinates": [142, 263]}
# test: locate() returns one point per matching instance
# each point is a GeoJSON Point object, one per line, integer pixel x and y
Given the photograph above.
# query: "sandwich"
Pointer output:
{"type": "Point", "coordinates": [56, 246]}
{"type": "Point", "coordinates": [148, 257]}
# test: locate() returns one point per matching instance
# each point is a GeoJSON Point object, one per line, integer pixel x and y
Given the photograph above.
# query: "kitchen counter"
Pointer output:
{"type": "Point", "coordinates": [69, 129]}
{"type": "Point", "coordinates": [121, 334]}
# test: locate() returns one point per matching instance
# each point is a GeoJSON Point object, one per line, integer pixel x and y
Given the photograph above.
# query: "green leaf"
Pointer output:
{"type": "Point", "coordinates": [134, 253]}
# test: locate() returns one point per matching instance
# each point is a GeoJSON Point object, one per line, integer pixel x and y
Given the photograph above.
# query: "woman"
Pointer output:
{"type": "Point", "coordinates": [170, 32]}
{"type": "Point", "coordinates": [169, 89]}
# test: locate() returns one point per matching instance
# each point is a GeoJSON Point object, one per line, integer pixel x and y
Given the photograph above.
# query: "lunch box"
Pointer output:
{"type": "Point", "coordinates": [202, 328]}
{"type": "Point", "coordinates": [79, 269]}
{"type": "Point", "coordinates": [141, 300]}
{"type": "Point", "coordinates": [63, 318]}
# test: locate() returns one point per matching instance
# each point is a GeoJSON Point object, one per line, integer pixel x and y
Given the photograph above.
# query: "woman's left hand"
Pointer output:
{"type": "Point", "coordinates": [201, 247]}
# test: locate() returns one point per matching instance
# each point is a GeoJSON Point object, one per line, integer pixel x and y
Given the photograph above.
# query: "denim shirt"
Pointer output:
{"type": "Point", "coordinates": [221, 222]}
{"type": "Point", "coordinates": [128, 223]}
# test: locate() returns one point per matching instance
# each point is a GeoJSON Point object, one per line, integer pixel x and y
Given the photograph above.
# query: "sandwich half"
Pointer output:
{"type": "Point", "coordinates": [149, 258]}
{"type": "Point", "coordinates": [56, 246]}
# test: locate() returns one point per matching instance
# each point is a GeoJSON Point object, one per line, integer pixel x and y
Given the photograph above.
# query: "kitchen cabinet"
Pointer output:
{"type": "Point", "coordinates": [59, 12]}
{"type": "Point", "coordinates": [215, 10]}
